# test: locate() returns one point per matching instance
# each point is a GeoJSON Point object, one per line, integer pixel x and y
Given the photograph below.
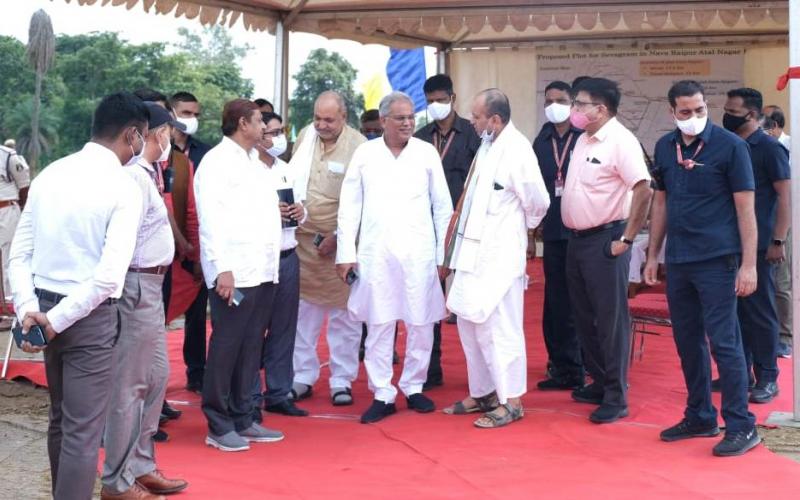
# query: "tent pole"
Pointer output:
{"type": "Point", "coordinates": [280, 96]}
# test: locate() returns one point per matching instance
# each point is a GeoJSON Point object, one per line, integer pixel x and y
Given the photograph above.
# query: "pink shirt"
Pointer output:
{"type": "Point", "coordinates": [602, 171]}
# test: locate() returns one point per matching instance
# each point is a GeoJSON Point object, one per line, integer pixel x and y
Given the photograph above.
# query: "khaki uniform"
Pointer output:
{"type": "Point", "coordinates": [319, 282]}
{"type": "Point", "coordinates": [14, 176]}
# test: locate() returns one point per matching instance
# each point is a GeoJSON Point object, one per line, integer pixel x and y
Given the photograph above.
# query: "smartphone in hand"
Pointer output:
{"type": "Point", "coordinates": [35, 335]}
{"type": "Point", "coordinates": [351, 276]}
{"type": "Point", "coordinates": [318, 239]}
{"type": "Point", "coordinates": [238, 297]}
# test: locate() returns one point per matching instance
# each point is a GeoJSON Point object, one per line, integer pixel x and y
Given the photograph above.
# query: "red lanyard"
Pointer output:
{"type": "Point", "coordinates": [560, 158]}
{"type": "Point", "coordinates": [436, 139]}
{"type": "Point", "coordinates": [690, 163]}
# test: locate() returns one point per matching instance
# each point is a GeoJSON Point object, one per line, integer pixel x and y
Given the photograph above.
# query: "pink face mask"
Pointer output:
{"type": "Point", "coordinates": [579, 119]}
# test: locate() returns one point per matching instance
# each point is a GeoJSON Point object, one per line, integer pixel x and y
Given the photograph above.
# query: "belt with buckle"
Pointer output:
{"type": "Point", "coordinates": [55, 298]}
{"type": "Point", "coordinates": [159, 270]}
{"type": "Point", "coordinates": [580, 233]}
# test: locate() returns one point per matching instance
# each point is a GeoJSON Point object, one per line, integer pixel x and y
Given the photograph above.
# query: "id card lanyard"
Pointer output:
{"type": "Point", "coordinates": [690, 163]}
{"type": "Point", "coordinates": [560, 158]}
{"type": "Point", "coordinates": [448, 142]}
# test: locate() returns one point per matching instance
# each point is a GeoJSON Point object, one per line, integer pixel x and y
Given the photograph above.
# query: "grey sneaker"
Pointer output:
{"type": "Point", "coordinates": [259, 434]}
{"type": "Point", "coordinates": [228, 442]}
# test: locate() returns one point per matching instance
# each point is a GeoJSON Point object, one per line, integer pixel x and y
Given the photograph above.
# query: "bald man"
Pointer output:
{"type": "Point", "coordinates": [321, 155]}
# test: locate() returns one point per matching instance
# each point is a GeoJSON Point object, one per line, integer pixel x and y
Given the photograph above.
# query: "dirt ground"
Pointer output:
{"type": "Point", "coordinates": [23, 443]}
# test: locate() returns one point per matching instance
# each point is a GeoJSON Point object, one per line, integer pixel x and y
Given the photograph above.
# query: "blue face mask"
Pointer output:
{"type": "Point", "coordinates": [372, 135]}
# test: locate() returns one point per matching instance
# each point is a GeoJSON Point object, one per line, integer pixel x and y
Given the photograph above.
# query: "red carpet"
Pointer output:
{"type": "Point", "coordinates": [554, 452]}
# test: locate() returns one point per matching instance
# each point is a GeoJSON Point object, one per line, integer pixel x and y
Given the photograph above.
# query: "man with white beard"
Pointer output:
{"type": "Point", "coordinates": [395, 202]}
{"type": "Point", "coordinates": [487, 243]}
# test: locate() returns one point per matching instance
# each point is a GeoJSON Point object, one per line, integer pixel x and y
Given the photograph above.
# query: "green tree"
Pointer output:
{"type": "Point", "coordinates": [20, 122]}
{"type": "Point", "coordinates": [324, 71]}
{"type": "Point", "coordinates": [16, 83]}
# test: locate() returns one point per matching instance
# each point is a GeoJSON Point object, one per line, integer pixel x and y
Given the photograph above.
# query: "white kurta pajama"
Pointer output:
{"type": "Point", "coordinates": [505, 196]}
{"type": "Point", "coordinates": [398, 210]}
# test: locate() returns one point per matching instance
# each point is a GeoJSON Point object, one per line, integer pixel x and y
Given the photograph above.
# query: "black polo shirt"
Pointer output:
{"type": "Point", "coordinates": [701, 214]}
{"type": "Point", "coordinates": [553, 228]}
{"type": "Point", "coordinates": [195, 150]}
{"type": "Point", "coordinates": [770, 164]}
{"type": "Point", "coordinates": [459, 155]}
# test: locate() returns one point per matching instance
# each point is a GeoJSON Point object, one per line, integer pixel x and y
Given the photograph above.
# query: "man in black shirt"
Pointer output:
{"type": "Point", "coordinates": [553, 147]}
{"type": "Point", "coordinates": [456, 140]}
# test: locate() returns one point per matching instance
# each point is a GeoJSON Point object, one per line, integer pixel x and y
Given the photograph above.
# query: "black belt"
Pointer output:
{"type": "Point", "coordinates": [159, 270]}
{"type": "Point", "coordinates": [580, 233]}
{"type": "Point", "coordinates": [286, 253]}
{"type": "Point", "coordinates": [55, 298]}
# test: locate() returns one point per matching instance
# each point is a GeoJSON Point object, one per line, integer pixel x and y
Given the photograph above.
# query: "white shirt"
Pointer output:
{"type": "Point", "coordinates": [286, 178]}
{"type": "Point", "coordinates": [240, 223]}
{"type": "Point", "coordinates": [398, 210]}
{"type": "Point", "coordinates": [155, 244]}
{"type": "Point", "coordinates": [75, 236]}
{"type": "Point", "coordinates": [786, 141]}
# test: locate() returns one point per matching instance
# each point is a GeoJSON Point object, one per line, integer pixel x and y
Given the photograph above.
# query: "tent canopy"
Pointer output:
{"type": "Point", "coordinates": [453, 23]}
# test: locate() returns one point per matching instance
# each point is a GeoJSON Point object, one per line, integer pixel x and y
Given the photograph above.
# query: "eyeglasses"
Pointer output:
{"type": "Point", "coordinates": [581, 104]}
{"type": "Point", "coordinates": [402, 118]}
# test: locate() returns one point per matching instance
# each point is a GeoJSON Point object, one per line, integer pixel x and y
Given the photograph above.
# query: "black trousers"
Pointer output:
{"type": "Point", "coordinates": [234, 356]}
{"type": "Point", "coordinates": [560, 339]}
{"type": "Point", "coordinates": [758, 318]}
{"type": "Point", "coordinates": [598, 290]}
{"type": "Point", "coordinates": [194, 340]}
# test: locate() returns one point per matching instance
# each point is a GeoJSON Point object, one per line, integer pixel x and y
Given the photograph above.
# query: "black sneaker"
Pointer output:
{"type": "Point", "coordinates": [607, 414]}
{"type": "Point", "coordinates": [737, 443]}
{"type": "Point", "coordinates": [560, 384]}
{"type": "Point", "coordinates": [170, 412]}
{"type": "Point", "coordinates": [685, 430]}
{"type": "Point", "coordinates": [764, 392]}
{"type": "Point", "coordinates": [160, 436]}
{"type": "Point", "coordinates": [784, 350]}
{"type": "Point", "coordinates": [432, 382]}
{"type": "Point", "coordinates": [592, 394]}
{"type": "Point", "coordinates": [420, 403]}
{"type": "Point", "coordinates": [377, 411]}
{"type": "Point", "coordinates": [286, 408]}
{"type": "Point", "coordinates": [195, 386]}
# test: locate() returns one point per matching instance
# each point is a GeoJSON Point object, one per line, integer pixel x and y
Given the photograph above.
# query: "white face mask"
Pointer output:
{"type": "Point", "coordinates": [164, 151]}
{"type": "Point", "coordinates": [557, 113]}
{"type": "Point", "coordinates": [692, 126]}
{"type": "Point", "coordinates": [278, 146]}
{"type": "Point", "coordinates": [190, 123]}
{"type": "Point", "coordinates": [487, 136]}
{"type": "Point", "coordinates": [439, 111]}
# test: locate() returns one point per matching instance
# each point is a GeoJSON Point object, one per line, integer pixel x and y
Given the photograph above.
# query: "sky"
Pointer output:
{"type": "Point", "coordinates": [137, 26]}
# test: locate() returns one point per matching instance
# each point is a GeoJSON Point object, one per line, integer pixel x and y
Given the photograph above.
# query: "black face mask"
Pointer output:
{"type": "Point", "coordinates": [732, 122]}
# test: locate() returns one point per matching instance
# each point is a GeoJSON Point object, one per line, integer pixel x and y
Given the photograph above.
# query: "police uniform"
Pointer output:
{"type": "Point", "coordinates": [14, 177]}
{"type": "Point", "coordinates": [702, 257]}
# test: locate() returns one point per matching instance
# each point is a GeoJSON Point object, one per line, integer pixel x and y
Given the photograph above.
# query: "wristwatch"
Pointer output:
{"type": "Point", "coordinates": [777, 242]}
{"type": "Point", "coordinates": [625, 240]}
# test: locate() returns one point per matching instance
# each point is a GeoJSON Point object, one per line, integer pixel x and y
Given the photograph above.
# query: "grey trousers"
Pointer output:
{"type": "Point", "coordinates": [783, 292]}
{"type": "Point", "coordinates": [78, 365]}
{"type": "Point", "coordinates": [234, 355]}
{"type": "Point", "coordinates": [598, 292]}
{"type": "Point", "coordinates": [138, 383]}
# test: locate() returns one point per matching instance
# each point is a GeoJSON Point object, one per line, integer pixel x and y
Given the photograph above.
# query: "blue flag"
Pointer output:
{"type": "Point", "coordinates": [406, 73]}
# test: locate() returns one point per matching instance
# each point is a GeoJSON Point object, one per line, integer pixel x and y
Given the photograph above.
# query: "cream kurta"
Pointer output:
{"type": "Point", "coordinates": [319, 282]}
{"type": "Point", "coordinates": [398, 210]}
{"type": "Point", "coordinates": [491, 258]}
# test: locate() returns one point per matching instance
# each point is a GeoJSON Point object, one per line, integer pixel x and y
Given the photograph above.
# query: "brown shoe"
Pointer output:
{"type": "Point", "coordinates": [134, 493]}
{"type": "Point", "coordinates": [156, 483]}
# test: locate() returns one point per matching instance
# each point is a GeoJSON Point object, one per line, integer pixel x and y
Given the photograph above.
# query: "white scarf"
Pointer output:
{"type": "Point", "coordinates": [302, 159]}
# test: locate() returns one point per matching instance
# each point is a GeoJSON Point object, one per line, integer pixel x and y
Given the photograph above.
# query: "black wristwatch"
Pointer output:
{"type": "Point", "coordinates": [625, 240]}
{"type": "Point", "coordinates": [777, 242]}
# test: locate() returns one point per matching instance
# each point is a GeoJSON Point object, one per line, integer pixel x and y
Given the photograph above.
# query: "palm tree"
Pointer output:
{"type": "Point", "coordinates": [41, 48]}
{"type": "Point", "coordinates": [19, 121]}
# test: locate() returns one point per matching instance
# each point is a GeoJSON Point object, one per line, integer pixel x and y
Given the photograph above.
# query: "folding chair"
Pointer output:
{"type": "Point", "coordinates": [649, 315]}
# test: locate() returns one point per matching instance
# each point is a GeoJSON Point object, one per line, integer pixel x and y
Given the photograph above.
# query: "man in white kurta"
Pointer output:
{"type": "Point", "coordinates": [505, 196]}
{"type": "Point", "coordinates": [393, 213]}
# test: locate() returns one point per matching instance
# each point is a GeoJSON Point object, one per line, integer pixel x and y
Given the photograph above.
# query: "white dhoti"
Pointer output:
{"type": "Point", "coordinates": [378, 359]}
{"type": "Point", "coordinates": [344, 339]}
{"type": "Point", "coordinates": [495, 349]}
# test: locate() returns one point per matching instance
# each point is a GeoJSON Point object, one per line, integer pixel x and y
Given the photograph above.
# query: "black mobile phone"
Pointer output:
{"type": "Point", "coordinates": [351, 277]}
{"type": "Point", "coordinates": [318, 240]}
{"type": "Point", "coordinates": [35, 336]}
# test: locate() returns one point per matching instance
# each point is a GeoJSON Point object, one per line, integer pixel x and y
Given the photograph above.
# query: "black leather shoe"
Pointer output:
{"type": "Point", "coordinates": [420, 403]}
{"type": "Point", "coordinates": [784, 350]}
{"type": "Point", "coordinates": [160, 436]}
{"type": "Point", "coordinates": [377, 411]}
{"type": "Point", "coordinates": [170, 412]}
{"type": "Point", "coordinates": [592, 394]}
{"type": "Point", "coordinates": [737, 443]}
{"type": "Point", "coordinates": [559, 384]}
{"type": "Point", "coordinates": [764, 392]}
{"type": "Point", "coordinates": [432, 382]}
{"type": "Point", "coordinates": [606, 414]}
{"type": "Point", "coordinates": [195, 387]}
{"type": "Point", "coordinates": [685, 430]}
{"type": "Point", "coordinates": [286, 408]}
{"type": "Point", "coordinates": [451, 320]}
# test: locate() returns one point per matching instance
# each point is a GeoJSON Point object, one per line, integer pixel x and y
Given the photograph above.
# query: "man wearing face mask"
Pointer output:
{"type": "Point", "coordinates": [240, 238]}
{"type": "Point", "coordinates": [456, 141]}
{"type": "Point", "coordinates": [139, 380]}
{"type": "Point", "coordinates": [553, 147]}
{"type": "Point", "coordinates": [758, 314]}
{"type": "Point", "coordinates": [67, 269]}
{"type": "Point", "coordinates": [704, 204]}
{"type": "Point", "coordinates": [371, 127]}
{"type": "Point", "coordinates": [278, 348]}
{"type": "Point", "coordinates": [486, 246]}
{"type": "Point", "coordinates": [187, 112]}
{"type": "Point", "coordinates": [604, 204]}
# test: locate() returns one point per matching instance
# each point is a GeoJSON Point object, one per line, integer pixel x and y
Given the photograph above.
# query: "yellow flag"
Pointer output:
{"type": "Point", "coordinates": [374, 90]}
